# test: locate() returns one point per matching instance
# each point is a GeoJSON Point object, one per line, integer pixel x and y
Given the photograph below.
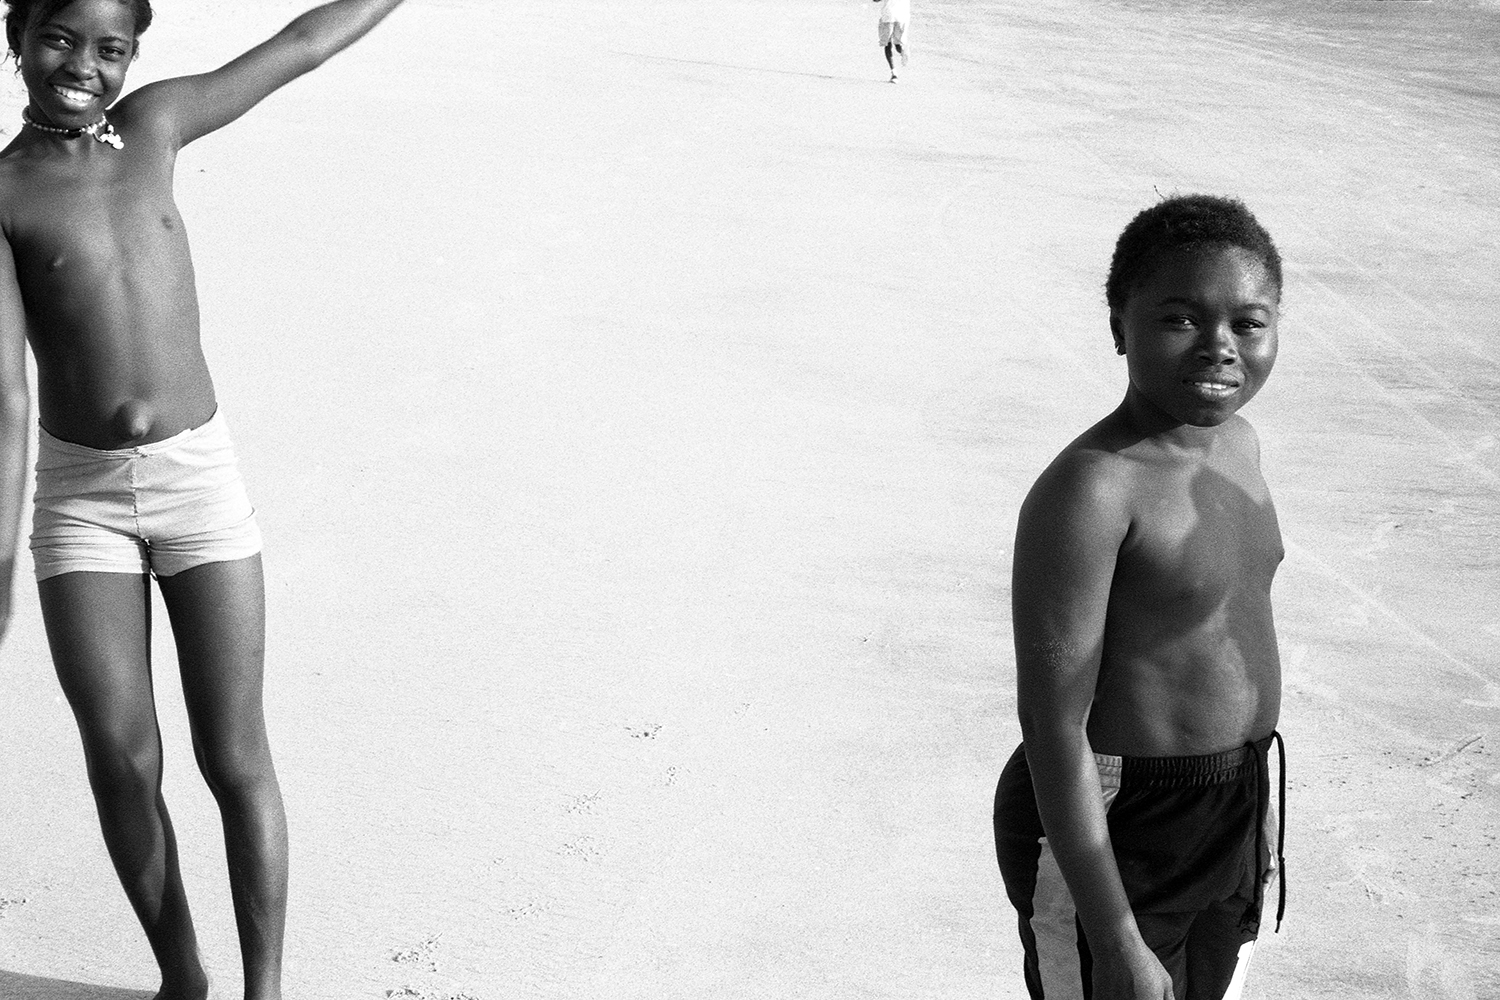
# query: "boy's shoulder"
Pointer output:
{"type": "Point", "coordinates": [1090, 476]}
{"type": "Point", "coordinates": [1099, 456]}
{"type": "Point", "coordinates": [1110, 469]}
{"type": "Point", "coordinates": [1113, 447]}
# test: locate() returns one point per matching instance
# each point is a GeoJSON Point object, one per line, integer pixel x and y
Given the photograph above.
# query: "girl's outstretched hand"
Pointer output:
{"type": "Point", "coordinates": [190, 107]}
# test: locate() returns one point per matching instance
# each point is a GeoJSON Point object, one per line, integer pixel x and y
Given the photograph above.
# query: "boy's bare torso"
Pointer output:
{"type": "Point", "coordinates": [1189, 662]}
{"type": "Point", "coordinates": [106, 276]}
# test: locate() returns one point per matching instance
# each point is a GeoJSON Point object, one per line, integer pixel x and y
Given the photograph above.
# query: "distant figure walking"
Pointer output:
{"type": "Point", "coordinates": [895, 16]}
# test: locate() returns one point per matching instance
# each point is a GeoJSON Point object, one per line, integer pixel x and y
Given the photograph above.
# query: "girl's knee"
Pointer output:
{"type": "Point", "coordinates": [124, 766]}
{"type": "Point", "coordinates": [235, 770]}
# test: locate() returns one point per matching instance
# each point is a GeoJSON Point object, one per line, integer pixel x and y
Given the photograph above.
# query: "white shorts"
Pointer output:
{"type": "Point", "coordinates": [160, 508]}
{"type": "Point", "coordinates": [892, 32]}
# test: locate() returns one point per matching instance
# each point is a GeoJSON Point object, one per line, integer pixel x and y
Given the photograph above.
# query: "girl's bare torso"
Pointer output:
{"type": "Point", "coordinates": [106, 276]}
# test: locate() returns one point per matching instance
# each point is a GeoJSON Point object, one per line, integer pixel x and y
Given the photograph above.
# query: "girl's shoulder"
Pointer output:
{"type": "Point", "coordinates": [141, 110]}
{"type": "Point", "coordinates": [14, 168]}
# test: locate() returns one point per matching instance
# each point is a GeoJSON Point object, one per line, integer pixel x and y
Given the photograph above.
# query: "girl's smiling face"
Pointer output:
{"type": "Point", "coordinates": [1199, 334]}
{"type": "Point", "coordinates": [74, 61]}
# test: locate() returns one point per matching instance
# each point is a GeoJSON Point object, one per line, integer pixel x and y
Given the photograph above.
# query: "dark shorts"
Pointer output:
{"type": "Point", "coordinates": [1189, 836]}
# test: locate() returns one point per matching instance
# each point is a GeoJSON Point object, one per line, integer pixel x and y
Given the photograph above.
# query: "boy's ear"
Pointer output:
{"type": "Point", "coordinates": [1115, 332]}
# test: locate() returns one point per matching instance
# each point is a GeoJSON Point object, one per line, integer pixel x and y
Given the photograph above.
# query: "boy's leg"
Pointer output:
{"type": "Point", "coordinates": [1056, 962]}
{"type": "Point", "coordinates": [218, 620]}
{"type": "Point", "coordinates": [1219, 947]}
{"type": "Point", "coordinates": [99, 629]}
{"type": "Point", "coordinates": [1167, 935]}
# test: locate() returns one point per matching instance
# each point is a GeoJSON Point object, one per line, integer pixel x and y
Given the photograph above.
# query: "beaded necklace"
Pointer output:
{"type": "Point", "coordinates": [101, 130]}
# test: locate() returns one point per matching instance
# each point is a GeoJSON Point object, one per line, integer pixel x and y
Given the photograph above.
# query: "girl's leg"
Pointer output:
{"type": "Point", "coordinates": [890, 60]}
{"type": "Point", "coordinates": [218, 620]}
{"type": "Point", "coordinates": [99, 629]}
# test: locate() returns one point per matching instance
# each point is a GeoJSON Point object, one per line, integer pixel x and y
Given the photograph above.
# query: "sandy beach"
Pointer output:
{"type": "Point", "coordinates": [637, 407]}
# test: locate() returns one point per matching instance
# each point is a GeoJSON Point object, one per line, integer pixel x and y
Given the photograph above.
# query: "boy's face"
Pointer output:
{"type": "Point", "coordinates": [1199, 334]}
{"type": "Point", "coordinates": [74, 61]}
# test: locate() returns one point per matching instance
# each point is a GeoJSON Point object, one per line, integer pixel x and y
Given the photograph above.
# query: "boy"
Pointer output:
{"type": "Point", "coordinates": [1148, 679]}
{"type": "Point", "coordinates": [135, 474]}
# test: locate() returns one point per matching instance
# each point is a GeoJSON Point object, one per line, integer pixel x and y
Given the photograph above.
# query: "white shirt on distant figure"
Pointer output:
{"type": "Point", "coordinates": [895, 10]}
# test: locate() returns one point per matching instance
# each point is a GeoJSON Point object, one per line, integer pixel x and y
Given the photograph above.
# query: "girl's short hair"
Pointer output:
{"type": "Point", "coordinates": [1185, 222]}
{"type": "Point", "coordinates": [20, 14]}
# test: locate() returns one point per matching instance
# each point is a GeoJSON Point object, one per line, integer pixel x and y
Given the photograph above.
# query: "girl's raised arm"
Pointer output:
{"type": "Point", "coordinates": [193, 106]}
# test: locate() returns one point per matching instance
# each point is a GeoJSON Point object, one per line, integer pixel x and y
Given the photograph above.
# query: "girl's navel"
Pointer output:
{"type": "Point", "coordinates": [133, 419]}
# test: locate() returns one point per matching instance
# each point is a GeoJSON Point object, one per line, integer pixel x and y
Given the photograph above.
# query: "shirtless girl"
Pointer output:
{"type": "Point", "coordinates": [135, 475]}
{"type": "Point", "coordinates": [1148, 679]}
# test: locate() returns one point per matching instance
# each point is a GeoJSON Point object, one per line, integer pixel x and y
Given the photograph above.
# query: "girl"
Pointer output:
{"type": "Point", "coordinates": [135, 474]}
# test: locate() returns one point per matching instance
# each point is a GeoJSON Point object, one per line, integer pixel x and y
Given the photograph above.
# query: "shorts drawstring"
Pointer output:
{"type": "Point", "coordinates": [1262, 780]}
{"type": "Point", "coordinates": [1280, 831]}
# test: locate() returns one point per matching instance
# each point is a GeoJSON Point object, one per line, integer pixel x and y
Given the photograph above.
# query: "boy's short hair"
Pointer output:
{"type": "Point", "coordinates": [20, 13]}
{"type": "Point", "coordinates": [1184, 222]}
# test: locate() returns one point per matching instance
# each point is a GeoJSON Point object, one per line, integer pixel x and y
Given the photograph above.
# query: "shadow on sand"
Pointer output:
{"type": "Point", "coordinates": [14, 986]}
{"type": "Point", "coordinates": [747, 69]}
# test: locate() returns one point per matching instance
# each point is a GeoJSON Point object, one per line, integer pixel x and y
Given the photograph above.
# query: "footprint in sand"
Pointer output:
{"type": "Point", "coordinates": [584, 847]}
{"type": "Point", "coordinates": [584, 805]}
{"type": "Point", "coordinates": [422, 956]}
{"type": "Point", "coordinates": [528, 910]}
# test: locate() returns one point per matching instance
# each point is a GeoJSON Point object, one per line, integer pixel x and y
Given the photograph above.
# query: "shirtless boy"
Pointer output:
{"type": "Point", "coordinates": [136, 475]}
{"type": "Point", "coordinates": [1148, 679]}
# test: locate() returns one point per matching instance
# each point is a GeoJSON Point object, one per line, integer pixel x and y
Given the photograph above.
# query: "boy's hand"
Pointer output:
{"type": "Point", "coordinates": [1132, 974]}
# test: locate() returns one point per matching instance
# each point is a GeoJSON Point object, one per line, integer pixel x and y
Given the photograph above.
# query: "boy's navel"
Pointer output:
{"type": "Point", "coordinates": [56, 263]}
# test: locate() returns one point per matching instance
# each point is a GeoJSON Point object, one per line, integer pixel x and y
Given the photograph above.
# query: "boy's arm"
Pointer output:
{"type": "Point", "coordinates": [1070, 530]}
{"type": "Point", "coordinates": [15, 410]}
{"type": "Point", "coordinates": [193, 106]}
